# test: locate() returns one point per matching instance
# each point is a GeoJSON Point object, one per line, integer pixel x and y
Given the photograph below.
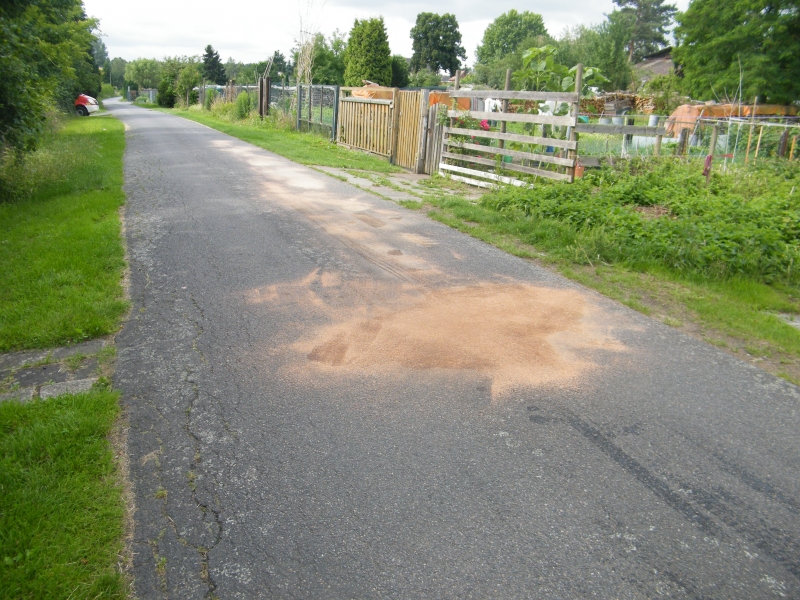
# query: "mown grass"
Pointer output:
{"type": "Point", "coordinates": [304, 148]}
{"type": "Point", "coordinates": [61, 512]}
{"type": "Point", "coordinates": [60, 238]}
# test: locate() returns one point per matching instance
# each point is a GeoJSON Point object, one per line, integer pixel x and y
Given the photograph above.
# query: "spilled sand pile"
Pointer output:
{"type": "Point", "coordinates": [519, 335]}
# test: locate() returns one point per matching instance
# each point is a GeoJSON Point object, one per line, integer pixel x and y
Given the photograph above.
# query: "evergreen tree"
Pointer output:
{"type": "Point", "coordinates": [213, 69]}
{"type": "Point", "coordinates": [367, 55]}
{"type": "Point", "coordinates": [650, 20]}
{"type": "Point", "coordinates": [436, 42]}
{"type": "Point", "coordinates": [100, 52]}
{"type": "Point", "coordinates": [399, 71]}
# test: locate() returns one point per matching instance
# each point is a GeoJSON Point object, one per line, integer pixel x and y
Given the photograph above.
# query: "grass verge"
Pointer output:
{"type": "Point", "coordinates": [304, 148]}
{"type": "Point", "coordinates": [60, 238]}
{"type": "Point", "coordinates": [61, 512]}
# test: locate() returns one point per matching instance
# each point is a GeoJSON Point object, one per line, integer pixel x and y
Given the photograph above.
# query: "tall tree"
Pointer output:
{"type": "Point", "coordinates": [213, 69]}
{"type": "Point", "coordinates": [144, 72]}
{"type": "Point", "coordinates": [281, 67]}
{"type": "Point", "coordinates": [650, 21]}
{"type": "Point", "coordinates": [436, 42]}
{"type": "Point", "coordinates": [756, 42]}
{"type": "Point", "coordinates": [100, 52]}
{"type": "Point", "coordinates": [604, 45]}
{"type": "Point", "coordinates": [368, 55]}
{"type": "Point", "coordinates": [505, 34]}
{"type": "Point", "coordinates": [118, 71]}
{"type": "Point", "coordinates": [328, 65]}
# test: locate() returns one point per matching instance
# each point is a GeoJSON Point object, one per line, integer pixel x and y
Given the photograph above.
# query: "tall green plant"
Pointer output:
{"type": "Point", "coordinates": [541, 72]}
{"type": "Point", "coordinates": [242, 105]}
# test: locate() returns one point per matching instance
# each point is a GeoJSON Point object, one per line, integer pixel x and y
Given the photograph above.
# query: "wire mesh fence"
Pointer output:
{"type": "Point", "coordinates": [317, 107]}
{"type": "Point", "coordinates": [281, 98]}
{"type": "Point", "coordinates": [738, 139]}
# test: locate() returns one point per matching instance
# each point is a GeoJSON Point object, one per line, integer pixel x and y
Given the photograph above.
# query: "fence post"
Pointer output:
{"type": "Point", "coordinates": [423, 130]}
{"type": "Point", "coordinates": [714, 134]}
{"type": "Point", "coordinates": [680, 149]}
{"type": "Point", "coordinates": [573, 135]}
{"type": "Point", "coordinates": [627, 141]}
{"type": "Point", "coordinates": [395, 123]}
{"type": "Point", "coordinates": [335, 131]}
{"type": "Point", "coordinates": [453, 104]}
{"type": "Point", "coordinates": [299, 105]}
{"type": "Point", "coordinates": [783, 143]}
{"type": "Point", "coordinates": [502, 143]}
{"type": "Point", "coordinates": [758, 145]}
{"type": "Point", "coordinates": [260, 96]}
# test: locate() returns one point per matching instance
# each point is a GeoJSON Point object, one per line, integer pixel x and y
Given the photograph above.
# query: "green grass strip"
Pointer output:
{"type": "Point", "coordinates": [304, 148]}
{"type": "Point", "coordinates": [61, 513]}
{"type": "Point", "coordinates": [60, 241]}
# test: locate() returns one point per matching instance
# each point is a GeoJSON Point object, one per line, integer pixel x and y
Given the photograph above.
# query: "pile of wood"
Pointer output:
{"type": "Point", "coordinates": [616, 102]}
{"type": "Point", "coordinates": [605, 104]}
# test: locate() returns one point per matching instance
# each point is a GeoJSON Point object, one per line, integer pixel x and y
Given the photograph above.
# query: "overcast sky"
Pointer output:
{"type": "Point", "coordinates": [251, 30]}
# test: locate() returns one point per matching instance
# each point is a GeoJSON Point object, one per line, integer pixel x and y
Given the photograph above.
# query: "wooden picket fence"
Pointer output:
{"type": "Point", "coordinates": [393, 127]}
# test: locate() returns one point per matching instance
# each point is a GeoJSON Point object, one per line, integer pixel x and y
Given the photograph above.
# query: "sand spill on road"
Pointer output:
{"type": "Point", "coordinates": [519, 335]}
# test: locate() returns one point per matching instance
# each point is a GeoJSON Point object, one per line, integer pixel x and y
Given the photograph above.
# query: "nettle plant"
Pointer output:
{"type": "Point", "coordinates": [541, 73]}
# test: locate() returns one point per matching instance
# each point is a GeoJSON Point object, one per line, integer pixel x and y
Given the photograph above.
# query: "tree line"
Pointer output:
{"type": "Point", "coordinates": [740, 49]}
{"type": "Point", "coordinates": [724, 49]}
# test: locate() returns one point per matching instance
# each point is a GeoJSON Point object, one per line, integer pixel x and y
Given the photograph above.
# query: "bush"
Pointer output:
{"type": "Point", "coordinates": [660, 212]}
{"type": "Point", "coordinates": [210, 96]}
{"type": "Point", "coordinates": [424, 78]}
{"type": "Point", "coordinates": [242, 105]}
{"type": "Point", "coordinates": [166, 92]}
{"type": "Point", "coordinates": [107, 91]}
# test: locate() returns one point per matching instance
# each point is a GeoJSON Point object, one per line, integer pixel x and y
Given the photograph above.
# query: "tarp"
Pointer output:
{"type": "Point", "coordinates": [444, 98]}
{"type": "Point", "coordinates": [686, 115]}
{"type": "Point", "coordinates": [375, 92]}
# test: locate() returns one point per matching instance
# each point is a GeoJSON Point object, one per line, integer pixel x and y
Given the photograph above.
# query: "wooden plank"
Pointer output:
{"type": "Point", "coordinates": [483, 174]}
{"type": "Point", "coordinates": [351, 147]}
{"type": "Point", "coordinates": [566, 120]}
{"type": "Point", "coordinates": [619, 129]}
{"type": "Point", "coordinates": [555, 160]}
{"type": "Point", "coordinates": [475, 182]}
{"type": "Point", "coordinates": [366, 100]}
{"type": "Point", "coordinates": [507, 166]}
{"type": "Point", "coordinates": [516, 95]}
{"type": "Point", "coordinates": [513, 137]}
{"type": "Point", "coordinates": [576, 108]}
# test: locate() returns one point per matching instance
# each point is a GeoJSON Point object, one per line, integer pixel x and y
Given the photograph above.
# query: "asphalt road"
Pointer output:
{"type": "Point", "coordinates": [331, 396]}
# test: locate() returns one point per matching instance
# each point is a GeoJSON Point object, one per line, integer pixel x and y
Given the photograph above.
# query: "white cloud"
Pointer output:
{"type": "Point", "coordinates": [250, 31]}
